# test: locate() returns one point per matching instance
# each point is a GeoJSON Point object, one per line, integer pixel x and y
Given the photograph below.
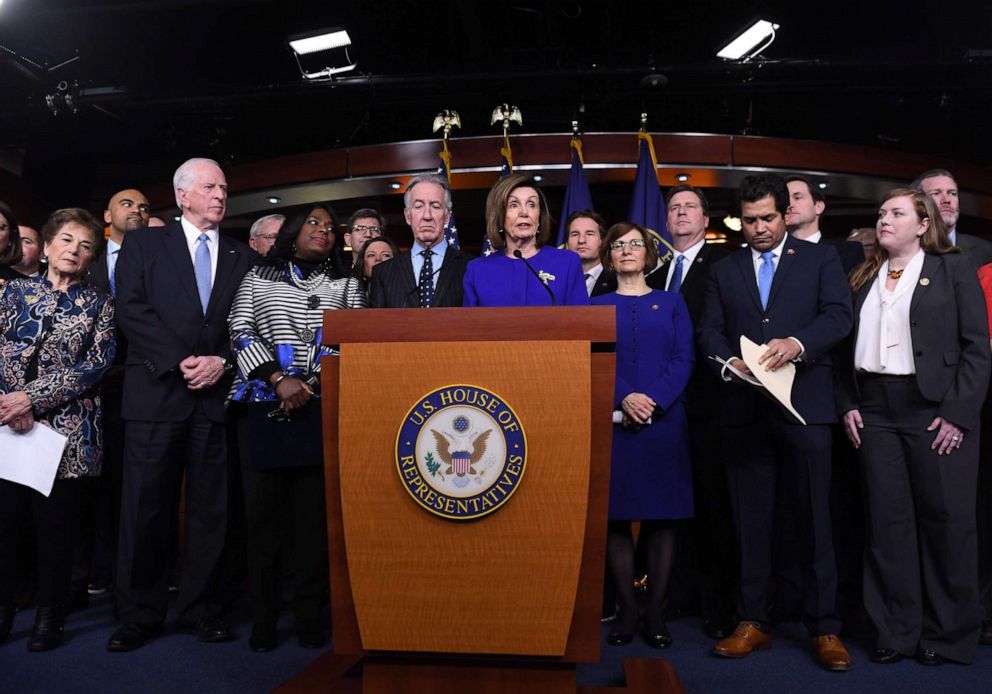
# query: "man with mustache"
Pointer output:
{"type": "Point", "coordinates": [174, 288]}
{"type": "Point", "coordinates": [430, 273]}
{"type": "Point", "coordinates": [791, 296]}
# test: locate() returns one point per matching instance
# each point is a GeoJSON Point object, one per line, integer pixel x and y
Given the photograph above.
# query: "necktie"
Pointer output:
{"type": "Point", "coordinates": [201, 266]}
{"type": "Point", "coordinates": [676, 282]}
{"type": "Point", "coordinates": [765, 274]}
{"type": "Point", "coordinates": [426, 283]}
{"type": "Point", "coordinates": [113, 274]}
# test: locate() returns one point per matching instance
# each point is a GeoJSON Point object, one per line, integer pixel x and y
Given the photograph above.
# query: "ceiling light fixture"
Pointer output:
{"type": "Point", "coordinates": [682, 178]}
{"type": "Point", "coordinates": [312, 47]}
{"type": "Point", "coordinates": [395, 186]}
{"type": "Point", "coordinates": [273, 200]}
{"type": "Point", "coordinates": [750, 42]}
{"type": "Point", "coordinates": [823, 185]}
{"type": "Point", "coordinates": [538, 177]}
{"type": "Point", "coordinates": [732, 223]}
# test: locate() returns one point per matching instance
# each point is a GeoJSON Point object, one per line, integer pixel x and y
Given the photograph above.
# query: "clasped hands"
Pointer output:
{"type": "Point", "coordinates": [16, 412]}
{"type": "Point", "coordinates": [293, 392]}
{"type": "Point", "coordinates": [949, 435]}
{"type": "Point", "coordinates": [201, 372]}
{"type": "Point", "coordinates": [637, 410]}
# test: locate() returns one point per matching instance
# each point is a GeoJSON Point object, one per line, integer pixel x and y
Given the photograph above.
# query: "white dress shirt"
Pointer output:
{"type": "Point", "coordinates": [885, 342]}
{"type": "Point", "coordinates": [592, 277]}
{"type": "Point", "coordinates": [690, 254]}
{"type": "Point", "coordinates": [193, 241]}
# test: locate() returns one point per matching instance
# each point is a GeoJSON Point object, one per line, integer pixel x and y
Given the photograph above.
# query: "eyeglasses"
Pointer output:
{"type": "Point", "coordinates": [268, 237]}
{"type": "Point", "coordinates": [362, 229]}
{"type": "Point", "coordinates": [634, 243]}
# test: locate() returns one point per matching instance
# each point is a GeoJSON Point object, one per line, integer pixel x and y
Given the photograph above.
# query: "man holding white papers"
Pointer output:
{"type": "Point", "coordinates": [793, 297]}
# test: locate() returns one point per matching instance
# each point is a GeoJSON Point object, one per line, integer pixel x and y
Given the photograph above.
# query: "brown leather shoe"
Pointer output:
{"type": "Point", "coordinates": [831, 653]}
{"type": "Point", "coordinates": [747, 637]}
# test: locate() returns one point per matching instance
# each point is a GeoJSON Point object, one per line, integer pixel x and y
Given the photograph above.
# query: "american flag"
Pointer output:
{"type": "Point", "coordinates": [450, 229]}
{"type": "Point", "coordinates": [505, 169]}
{"type": "Point", "coordinates": [647, 206]}
{"type": "Point", "coordinates": [577, 197]}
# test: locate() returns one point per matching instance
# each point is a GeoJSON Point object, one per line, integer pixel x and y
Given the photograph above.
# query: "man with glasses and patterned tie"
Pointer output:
{"type": "Point", "coordinates": [174, 288]}
{"type": "Point", "coordinates": [430, 273]}
{"type": "Point", "coordinates": [793, 297]}
{"type": "Point", "coordinates": [363, 225]}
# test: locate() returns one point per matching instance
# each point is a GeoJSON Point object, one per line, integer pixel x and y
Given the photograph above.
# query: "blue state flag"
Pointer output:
{"type": "Point", "coordinates": [450, 229]}
{"type": "Point", "coordinates": [505, 169]}
{"type": "Point", "coordinates": [577, 197]}
{"type": "Point", "coordinates": [647, 206]}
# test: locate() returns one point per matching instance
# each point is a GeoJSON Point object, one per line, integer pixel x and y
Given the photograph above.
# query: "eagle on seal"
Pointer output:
{"type": "Point", "coordinates": [461, 462]}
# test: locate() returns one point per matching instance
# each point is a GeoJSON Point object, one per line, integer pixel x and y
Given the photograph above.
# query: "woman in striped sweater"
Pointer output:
{"type": "Point", "coordinates": [276, 336]}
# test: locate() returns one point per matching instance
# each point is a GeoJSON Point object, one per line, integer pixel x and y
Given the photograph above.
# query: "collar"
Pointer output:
{"type": "Point", "coordinates": [192, 233]}
{"type": "Point", "coordinates": [112, 246]}
{"type": "Point", "coordinates": [595, 272]}
{"type": "Point", "coordinates": [439, 248]}
{"type": "Point", "coordinates": [690, 253]}
{"type": "Point", "coordinates": [777, 251]}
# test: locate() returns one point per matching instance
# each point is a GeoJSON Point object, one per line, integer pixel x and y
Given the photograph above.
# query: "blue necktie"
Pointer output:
{"type": "Point", "coordinates": [765, 274]}
{"type": "Point", "coordinates": [113, 273]}
{"type": "Point", "coordinates": [676, 282]}
{"type": "Point", "coordinates": [426, 282]}
{"type": "Point", "coordinates": [201, 265]}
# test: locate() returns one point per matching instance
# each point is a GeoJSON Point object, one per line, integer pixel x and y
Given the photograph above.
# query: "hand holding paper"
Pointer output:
{"type": "Point", "coordinates": [777, 382]}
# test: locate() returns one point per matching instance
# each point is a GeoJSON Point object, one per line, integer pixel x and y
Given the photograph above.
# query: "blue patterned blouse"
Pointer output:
{"type": "Point", "coordinates": [72, 358]}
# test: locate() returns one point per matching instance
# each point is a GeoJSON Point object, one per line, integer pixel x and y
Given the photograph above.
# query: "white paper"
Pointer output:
{"type": "Point", "coordinates": [31, 458]}
{"type": "Point", "coordinates": [778, 382]}
{"type": "Point", "coordinates": [747, 378]}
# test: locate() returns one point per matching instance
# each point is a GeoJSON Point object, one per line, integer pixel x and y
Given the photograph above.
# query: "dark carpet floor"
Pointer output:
{"type": "Point", "coordinates": [175, 662]}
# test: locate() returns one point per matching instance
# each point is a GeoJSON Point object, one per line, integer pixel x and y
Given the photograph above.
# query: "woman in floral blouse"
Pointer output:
{"type": "Point", "coordinates": [56, 341]}
{"type": "Point", "coordinates": [276, 334]}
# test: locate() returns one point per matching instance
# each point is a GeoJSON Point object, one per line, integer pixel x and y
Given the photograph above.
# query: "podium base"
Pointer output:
{"type": "Point", "coordinates": [356, 674]}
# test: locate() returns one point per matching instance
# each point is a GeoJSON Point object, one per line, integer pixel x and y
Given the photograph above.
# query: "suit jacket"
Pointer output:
{"type": "Point", "coordinates": [158, 309]}
{"type": "Point", "coordinates": [394, 285]}
{"type": "Point", "coordinates": [978, 249]}
{"type": "Point", "coordinates": [606, 283]}
{"type": "Point", "coordinates": [98, 276]}
{"type": "Point", "coordinates": [703, 392]}
{"type": "Point", "coordinates": [950, 333]}
{"type": "Point", "coordinates": [809, 300]}
{"type": "Point", "coordinates": [851, 253]}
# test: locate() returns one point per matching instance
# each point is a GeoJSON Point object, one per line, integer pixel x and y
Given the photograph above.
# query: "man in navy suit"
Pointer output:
{"type": "Point", "coordinates": [806, 205]}
{"type": "Point", "coordinates": [430, 273]}
{"type": "Point", "coordinates": [791, 296]}
{"type": "Point", "coordinates": [174, 288]}
{"type": "Point", "coordinates": [585, 233]}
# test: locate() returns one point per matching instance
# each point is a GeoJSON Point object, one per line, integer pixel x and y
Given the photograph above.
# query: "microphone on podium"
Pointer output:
{"type": "Point", "coordinates": [544, 283]}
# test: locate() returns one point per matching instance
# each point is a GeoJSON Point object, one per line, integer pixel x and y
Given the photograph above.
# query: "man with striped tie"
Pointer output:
{"type": "Point", "coordinates": [430, 273]}
{"type": "Point", "coordinates": [174, 287]}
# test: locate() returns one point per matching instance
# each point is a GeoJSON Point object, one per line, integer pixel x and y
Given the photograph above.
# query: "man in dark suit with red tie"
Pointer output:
{"type": "Point", "coordinates": [430, 273]}
{"type": "Point", "coordinates": [793, 297]}
{"type": "Point", "coordinates": [174, 288]}
{"type": "Point", "coordinates": [706, 566]}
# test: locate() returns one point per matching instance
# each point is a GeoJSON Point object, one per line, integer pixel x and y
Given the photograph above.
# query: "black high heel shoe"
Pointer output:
{"type": "Point", "coordinates": [658, 638]}
{"type": "Point", "coordinates": [619, 638]}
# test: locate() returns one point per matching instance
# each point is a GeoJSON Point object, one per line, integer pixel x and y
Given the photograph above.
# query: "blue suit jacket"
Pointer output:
{"type": "Point", "coordinates": [809, 300]}
{"type": "Point", "coordinates": [158, 309]}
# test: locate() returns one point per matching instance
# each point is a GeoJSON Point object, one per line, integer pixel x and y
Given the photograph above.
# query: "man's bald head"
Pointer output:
{"type": "Point", "coordinates": [127, 210]}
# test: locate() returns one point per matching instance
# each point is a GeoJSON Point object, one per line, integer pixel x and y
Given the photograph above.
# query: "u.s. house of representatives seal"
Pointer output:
{"type": "Point", "coordinates": [461, 452]}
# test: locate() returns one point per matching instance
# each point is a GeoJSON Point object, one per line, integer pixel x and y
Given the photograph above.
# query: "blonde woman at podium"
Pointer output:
{"type": "Point", "coordinates": [651, 475]}
{"type": "Point", "coordinates": [522, 270]}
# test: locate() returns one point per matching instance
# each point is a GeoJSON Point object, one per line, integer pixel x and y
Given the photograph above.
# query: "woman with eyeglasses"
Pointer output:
{"type": "Point", "coordinates": [651, 476]}
{"type": "Point", "coordinates": [523, 270]}
{"type": "Point", "coordinates": [276, 333]}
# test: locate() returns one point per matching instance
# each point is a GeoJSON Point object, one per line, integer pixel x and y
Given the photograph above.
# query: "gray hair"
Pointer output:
{"type": "Point", "coordinates": [932, 173]}
{"type": "Point", "coordinates": [184, 173]}
{"type": "Point", "coordinates": [257, 226]}
{"type": "Point", "coordinates": [428, 178]}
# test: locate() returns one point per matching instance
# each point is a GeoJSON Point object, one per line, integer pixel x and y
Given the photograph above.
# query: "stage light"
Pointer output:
{"type": "Point", "coordinates": [732, 223]}
{"type": "Point", "coordinates": [750, 42]}
{"type": "Point", "coordinates": [316, 48]}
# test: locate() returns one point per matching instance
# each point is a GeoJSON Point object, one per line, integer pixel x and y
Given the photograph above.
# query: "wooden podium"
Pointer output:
{"type": "Point", "coordinates": [482, 571]}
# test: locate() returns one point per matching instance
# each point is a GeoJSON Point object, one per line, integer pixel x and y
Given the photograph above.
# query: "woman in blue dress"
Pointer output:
{"type": "Point", "coordinates": [651, 476]}
{"type": "Point", "coordinates": [522, 270]}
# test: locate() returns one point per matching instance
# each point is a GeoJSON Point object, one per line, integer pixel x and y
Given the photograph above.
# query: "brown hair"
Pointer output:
{"type": "Point", "coordinates": [12, 254]}
{"type": "Point", "coordinates": [622, 229]}
{"type": "Point", "coordinates": [69, 215]}
{"type": "Point", "coordinates": [934, 239]}
{"type": "Point", "coordinates": [496, 202]}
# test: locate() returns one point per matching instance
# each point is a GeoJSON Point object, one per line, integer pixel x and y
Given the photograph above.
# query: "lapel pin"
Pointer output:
{"type": "Point", "coordinates": [654, 307]}
{"type": "Point", "coordinates": [924, 281]}
{"type": "Point", "coordinates": [699, 260]}
{"type": "Point", "coordinates": [790, 251]}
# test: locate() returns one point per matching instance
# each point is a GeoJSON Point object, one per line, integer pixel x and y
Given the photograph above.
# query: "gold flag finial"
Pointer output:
{"type": "Point", "coordinates": [506, 114]}
{"type": "Point", "coordinates": [446, 120]}
{"type": "Point", "coordinates": [644, 122]}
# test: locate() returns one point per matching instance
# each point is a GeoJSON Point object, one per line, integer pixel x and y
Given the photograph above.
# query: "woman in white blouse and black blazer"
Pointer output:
{"type": "Point", "coordinates": [910, 402]}
{"type": "Point", "coordinates": [276, 324]}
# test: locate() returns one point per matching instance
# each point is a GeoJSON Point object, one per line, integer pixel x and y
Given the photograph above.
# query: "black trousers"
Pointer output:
{"type": "Point", "coordinates": [765, 459]}
{"type": "Point", "coordinates": [281, 503]}
{"type": "Point", "coordinates": [155, 456]}
{"type": "Point", "coordinates": [55, 521]}
{"type": "Point", "coordinates": [706, 562]}
{"type": "Point", "coordinates": [984, 505]}
{"type": "Point", "coordinates": [921, 574]}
